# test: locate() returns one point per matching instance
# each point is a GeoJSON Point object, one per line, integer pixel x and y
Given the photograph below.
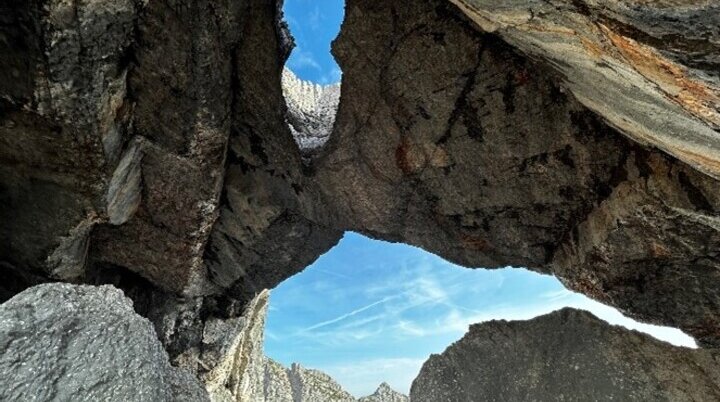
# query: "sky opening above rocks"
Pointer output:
{"type": "Point", "coordinates": [314, 24]}
{"type": "Point", "coordinates": [370, 311]}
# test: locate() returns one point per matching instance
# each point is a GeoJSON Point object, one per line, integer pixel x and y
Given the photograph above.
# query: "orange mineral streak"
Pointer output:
{"type": "Point", "coordinates": [698, 98]}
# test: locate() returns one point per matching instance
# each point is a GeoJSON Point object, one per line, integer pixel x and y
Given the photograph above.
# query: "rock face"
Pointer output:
{"type": "Point", "coordinates": [649, 68]}
{"type": "Point", "coordinates": [565, 355]}
{"type": "Point", "coordinates": [238, 362]}
{"type": "Point", "coordinates": [125, 160]}
{"type": "Point", "coordinates": [385, 394]}
{"type": "Point", "coordinates": [85, 343]}
{"type": "Point", "coordinates": [145, 144]}
{"type": "Point", "coordinates": [313, 385]}
{"type": "Point", "coordinates": [311, 110]}
{"type": "Point", "coordinates": [245, 374]}
{"type": "Point", "coordinates": [491, 160]}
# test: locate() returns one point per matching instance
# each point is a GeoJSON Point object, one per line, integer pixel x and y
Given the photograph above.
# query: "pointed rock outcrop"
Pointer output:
{"type": "Point", "coordinates": [385, 394]}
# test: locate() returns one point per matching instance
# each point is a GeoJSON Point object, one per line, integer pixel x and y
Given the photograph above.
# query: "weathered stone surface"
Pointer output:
{"type": "Point", "coordinates": [385, 394]}
{"type": "Point", "coordinates": [566, 355]}
{"type": "Point", "coordinates": [238, 369]}
{"type": "Point", "coordinates": [649, 68]}
{"type": "Point", "coordinates": [314, 385]}
{"type": "Point", "coordinates": [145, 144]}
{"type": "Point", "coordinates": [490, 160]}
{"type": "Point", "coordinates": [62, 120]}
{"type": "Point", "coordinates": [243, 373]}
{"type": "Point", "coordinates": [84, 343]}
{"type": "Point", "coordinates": [311, 110]}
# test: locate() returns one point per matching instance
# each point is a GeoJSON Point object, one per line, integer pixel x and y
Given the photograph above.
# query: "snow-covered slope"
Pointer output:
{"type": "Point", "coordinates": [311, 110]}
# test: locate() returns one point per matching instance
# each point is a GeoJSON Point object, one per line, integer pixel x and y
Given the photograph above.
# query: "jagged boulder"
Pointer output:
{"type": "Point", "coordinates": [566, 355]}
{"type": "Point", "coordinates": [84, 343]}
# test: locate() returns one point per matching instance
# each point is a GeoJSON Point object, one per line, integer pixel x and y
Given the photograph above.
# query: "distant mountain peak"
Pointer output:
{"type": "Point", "coordinates": [385, 393]}
{"type": "Point", "coordinates": [311, 110]}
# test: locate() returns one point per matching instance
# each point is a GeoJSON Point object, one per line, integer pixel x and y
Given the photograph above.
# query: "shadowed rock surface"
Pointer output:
{"type": "Point", "coordinates": [85, 343]}
{"type": "Point", "coordinates": [649, 68]}
{"type": "Point", "coordinates": [489, 160]}
{"type": "Point", "coordinates": [566, 355]}
{"type": "Point", "coordinates": [145, 144]}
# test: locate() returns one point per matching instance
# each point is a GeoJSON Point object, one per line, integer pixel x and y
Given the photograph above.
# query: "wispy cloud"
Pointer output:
{"type": "Point", "coordinates": [301, 58]}
{"type": "Point", "coordinates": [348, 315]}
{"type": "Point", "coordinates": [314, 18]}
{"type": "Point", "coordinates": [407, 304]}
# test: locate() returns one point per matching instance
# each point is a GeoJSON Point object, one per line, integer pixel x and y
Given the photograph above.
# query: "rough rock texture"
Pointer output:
{"type": "Point", "coordinates": [311, 110]}
{"type": "Point", "coordinates": [239, 367]}
{"type": "Point", "coordinates": [490, 160]}
{"type": "Point", "coordinates": [243, 373]}
{"type": "Point", "coordinates": [313, 385]}
{"type": "Point", "coordinates": [84, 343]}
{"type": "Point", "coordinates": [385, 394]}
{"type": "Point", "coordinates": [145, 144]}
{"type": "Point", "coordinates": [125, 159]}
{"type": "Point", "coordinates": [567, 355]}
{"type": "Point", "coordinates": [650, 68]}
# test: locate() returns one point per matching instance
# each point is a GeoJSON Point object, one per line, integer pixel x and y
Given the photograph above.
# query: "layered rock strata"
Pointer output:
{"type": "Point", "coordinates": [649, 69]}
{"type": "Point", "coordinates": [565, 355]}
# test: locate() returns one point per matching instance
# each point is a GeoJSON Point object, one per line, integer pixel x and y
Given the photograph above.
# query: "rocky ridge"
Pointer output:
{"type": "Point", "coordinates": [565, 355]}
{"type": "Point", "coordinates": [246, 374]}
{"type": "Point", "coordinates": [311, 110]}
{"type": "Point", "coordinates": [385, 394]}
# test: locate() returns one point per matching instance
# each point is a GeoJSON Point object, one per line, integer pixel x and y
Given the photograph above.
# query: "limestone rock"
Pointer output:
{"type": "Point", "coordinates": [311, 110]}
{"type": "Point", "coordinates": [619, 59]}
{"type": "Point", "coordinates": [314, 385]}
{"type": "Point", "coordinates": [146, 144]}
{"type": "Point", "coordinates": [566, 355]}
{"type": "Point", "coordinates": [124, 159]}
{"type": "Point", "coordinates": [385, 394]}
{"type": "Point", "coordinates": [238, 373]}
{"type": "Point", "coordinates": [243, 373]}
{"type": "Point", "coordinates": [85, 343]}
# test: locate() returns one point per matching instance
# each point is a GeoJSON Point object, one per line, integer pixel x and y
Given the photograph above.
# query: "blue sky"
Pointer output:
{"type": "Point", "coordinates": [314, 24]}
{"type": "Point", "coordinates": [369, 311]}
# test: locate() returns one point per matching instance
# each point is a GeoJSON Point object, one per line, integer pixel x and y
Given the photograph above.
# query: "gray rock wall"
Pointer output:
{"type": "Point", "coordinates": [450, 139]}
{"type": "Point", "coordinates": [567, 355]}
{"type": "Point", "coordinates": [145, 144]}
{"type": "Point", "coordinates": [65, 342]}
